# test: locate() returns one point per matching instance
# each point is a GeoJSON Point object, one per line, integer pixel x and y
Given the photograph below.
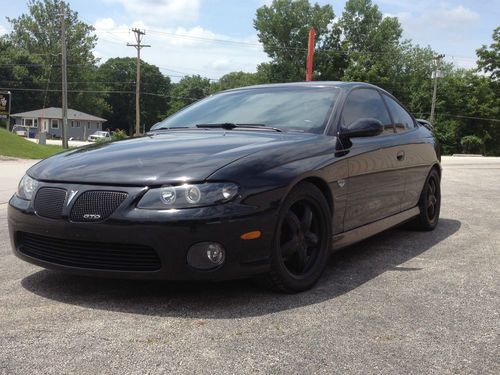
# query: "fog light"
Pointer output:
{"type": "Point", "coordinates": [215, 253]}
{"type": "Point", "coordinates": [206, 255]}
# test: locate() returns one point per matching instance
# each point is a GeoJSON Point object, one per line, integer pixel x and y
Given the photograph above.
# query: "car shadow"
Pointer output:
{"type": "Point", "coordinates": [346, 271]}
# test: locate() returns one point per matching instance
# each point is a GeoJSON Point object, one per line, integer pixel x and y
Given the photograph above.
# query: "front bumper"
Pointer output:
{"type": "Point", "coordinates": [169, 233]}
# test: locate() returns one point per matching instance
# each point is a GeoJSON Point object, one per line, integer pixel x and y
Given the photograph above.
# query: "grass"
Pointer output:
{"type": "Point", "coordinates": [18, 147]}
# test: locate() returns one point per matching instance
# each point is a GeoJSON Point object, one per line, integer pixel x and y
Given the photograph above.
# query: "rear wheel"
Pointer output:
{"type": "Point", "coordinates": [430, 203]}
{"type": "Point", "coordinates": [302, 240]}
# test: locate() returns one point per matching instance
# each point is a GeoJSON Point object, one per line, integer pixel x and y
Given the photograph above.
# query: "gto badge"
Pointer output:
{"type": "Point", "coordinates": [91, 216]}
{"type": "Point", "coordinates": [341, 183]}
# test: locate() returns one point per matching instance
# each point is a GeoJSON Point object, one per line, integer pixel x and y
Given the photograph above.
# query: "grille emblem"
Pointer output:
{"type": "Point", "coordinates": [91, 216]}
{"type": "Point", "coordinates": [72, 194]}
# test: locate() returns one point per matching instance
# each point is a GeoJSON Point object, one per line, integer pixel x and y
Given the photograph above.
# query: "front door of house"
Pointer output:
{"type": "Point", "coordinates": [45, 125]}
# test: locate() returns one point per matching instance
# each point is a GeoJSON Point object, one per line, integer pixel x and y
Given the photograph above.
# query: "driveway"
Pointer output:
{"type": "Point", "coordinates": [401, 302]}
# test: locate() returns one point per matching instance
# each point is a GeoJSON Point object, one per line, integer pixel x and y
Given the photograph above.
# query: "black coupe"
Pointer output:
{"type": "Point", "coordinates": [263, 180]}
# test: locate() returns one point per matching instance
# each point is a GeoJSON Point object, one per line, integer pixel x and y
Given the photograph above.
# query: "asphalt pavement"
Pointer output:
{"type": "Point", "coordinates": [402, 302]}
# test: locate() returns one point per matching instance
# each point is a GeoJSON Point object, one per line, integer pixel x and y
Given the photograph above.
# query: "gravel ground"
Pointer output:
{"type": "Point", "coordinates": [401, 302]}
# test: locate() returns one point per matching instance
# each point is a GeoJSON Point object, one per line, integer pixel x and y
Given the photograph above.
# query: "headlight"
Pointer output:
{"type": "Point", "coordinates": [185, 196]}
{"type": "Point", "coordinates": [27, 186]}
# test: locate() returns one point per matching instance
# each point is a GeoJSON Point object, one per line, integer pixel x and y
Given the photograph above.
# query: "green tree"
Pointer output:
{"type": "Point", "coordinates": [489, 58]}
{"type": "Point", "coordinates": [238, 79]}
{"type": "Point", "coordinates": [118, 76]}
{"type": "Point", "coordinates": [283, 29]}
{"type": "Point", "coordinates": [472, 144]}
{"type": "Point", "coordinates": [39, 33]}
{"type": "Point", "coordinates": [20, 70]}
{"type": "Point", "coordinates": [371, 43]}
{"type": "Point", "coordinates": [187, 91]}
{"type": "Point", "coordinates": [473, 102]}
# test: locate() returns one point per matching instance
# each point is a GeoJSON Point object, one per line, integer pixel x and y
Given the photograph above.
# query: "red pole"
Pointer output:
{"type": "Point", "coordinates": [310, 54]}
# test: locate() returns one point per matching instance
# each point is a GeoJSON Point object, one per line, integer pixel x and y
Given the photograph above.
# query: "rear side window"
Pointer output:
{"type": "Point", "coordinates": [366, 103]}
{"type": "Point", "coordinates": [402, 119]}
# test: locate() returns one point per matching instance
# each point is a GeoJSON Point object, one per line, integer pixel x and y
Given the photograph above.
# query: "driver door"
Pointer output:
{"type": "Point", "coordinates": [375, 166]}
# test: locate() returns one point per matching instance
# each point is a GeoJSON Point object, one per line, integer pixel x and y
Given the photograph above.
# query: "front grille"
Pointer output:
{"type": "Point", "coordinates": [49, 202]}
{"type": "Point", "coordinates": [96, 205]}
{"type": "Point", "coordinates": [87, 254]}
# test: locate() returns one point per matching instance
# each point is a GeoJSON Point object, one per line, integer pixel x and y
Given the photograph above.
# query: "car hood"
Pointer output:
{"type": "Point", "coordinates": [159, 158]}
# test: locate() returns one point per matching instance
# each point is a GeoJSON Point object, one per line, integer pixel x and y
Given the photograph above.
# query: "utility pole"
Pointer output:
{"type": "Point", "coordinates": [138, 38]}
{"type": "Point", "coordinates": [435, 74]}
{"type": "Point", "coordinates": [64, 80]}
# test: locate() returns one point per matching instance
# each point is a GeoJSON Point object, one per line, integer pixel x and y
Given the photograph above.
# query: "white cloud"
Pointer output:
{"type": "Point", "coordinates": [159, 12]}
{"type": "Point", "coordinates": [189, 37]}
{"type": "Point", "coordinates": [221, 64]}
{"type": "Point", "coordinates": [3, 30]}
{"type": "Point", "coordinates": [430, 19]}
{"type": "Point", "coordinates": [452, 18]}
{"type": "Point", "coordinates": [445, 28]}
{"type": "Point", "coordinates": [180, 51]}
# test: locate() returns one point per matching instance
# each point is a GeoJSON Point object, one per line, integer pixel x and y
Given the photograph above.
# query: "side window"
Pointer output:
{"type": "Point", "coordinates": [366, 103]}
{"type": "Point", "coordinates": [402, 120]}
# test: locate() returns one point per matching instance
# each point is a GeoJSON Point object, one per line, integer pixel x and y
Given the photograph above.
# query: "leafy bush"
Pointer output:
{"type": "Point", "coordinates": [99, 141]}
{"type": "Point", "coordinates": [116, 136]}
{"type": "Point", "coordinates": [445, 132]}
{"type": "Point", "coordinates": [119, 134]}
{"type": "Point", "coordinates": [472, 144]}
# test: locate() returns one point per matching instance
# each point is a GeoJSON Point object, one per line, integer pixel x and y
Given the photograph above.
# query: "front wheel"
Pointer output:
{"type": "Point", "coordinates": [302, 240]}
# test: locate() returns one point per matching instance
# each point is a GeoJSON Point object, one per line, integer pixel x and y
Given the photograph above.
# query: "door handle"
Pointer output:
{"type": "Point", "coordinates": [400, 155]}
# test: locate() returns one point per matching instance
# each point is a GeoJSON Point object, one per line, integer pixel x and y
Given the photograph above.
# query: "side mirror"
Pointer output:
{"type": "Point", "coordinates": [364, 127]}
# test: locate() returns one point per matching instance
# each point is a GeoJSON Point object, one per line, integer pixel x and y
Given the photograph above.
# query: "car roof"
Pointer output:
{"type": "Point", "coordinates": [319, 84]}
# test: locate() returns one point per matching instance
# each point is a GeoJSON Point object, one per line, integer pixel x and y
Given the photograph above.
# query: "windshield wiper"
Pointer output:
{"type": "Point", "coordinates": [232, 125]}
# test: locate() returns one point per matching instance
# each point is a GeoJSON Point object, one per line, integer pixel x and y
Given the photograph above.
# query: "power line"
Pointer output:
{"type": "Point", "coordinates": [252, 44]}
{"type": "Point", "coordinates": [101, 92]}
{"type": "Point", "coordinates": [462, 116]}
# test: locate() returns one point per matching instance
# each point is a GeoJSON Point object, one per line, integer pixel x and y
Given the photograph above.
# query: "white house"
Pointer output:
{"type": "Point", "coordinates": [49, 120]}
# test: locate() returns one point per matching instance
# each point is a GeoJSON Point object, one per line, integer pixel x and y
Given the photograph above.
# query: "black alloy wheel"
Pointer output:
{"type": "Point", "coordinates": [432, 199]}
{"type": "Point", "coordinates": [430, 203]}
{"type": "Point", "coordinates": [302, 242]}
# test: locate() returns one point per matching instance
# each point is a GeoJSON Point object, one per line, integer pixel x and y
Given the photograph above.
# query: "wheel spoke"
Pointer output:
{"type": "Point", "coordinates": [311, 239]}
{"type": "Point", "coordinates": [293, 222]}
{"type": "Point", "coordinates": [432, 186]}
{"type": "Point", "coordinates": [289, 248]}
{"type": "Point", "coordinates": [301, 257]}
{"type": "Point", "coordinates": [306, 219]}
{"type": "Point", "coordinates": [431, 211]}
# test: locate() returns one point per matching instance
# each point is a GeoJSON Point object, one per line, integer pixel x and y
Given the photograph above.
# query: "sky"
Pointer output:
{"type": "Point", "coordinates": [214, 37]}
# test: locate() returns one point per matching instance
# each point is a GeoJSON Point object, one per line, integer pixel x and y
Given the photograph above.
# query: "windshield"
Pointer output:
{"type": "Point", "coordinates": [303, 109]}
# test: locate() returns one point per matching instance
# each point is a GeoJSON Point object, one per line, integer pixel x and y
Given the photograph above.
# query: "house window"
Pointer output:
{"type": "Point", "coordinates": [88, 125]}
{"type": "Point", "coordinates": [72, 124]}
{"type": "Point", "coordinates": [31, 122]}
{"type": "Point", "coordinates": [54, 123]}
{"type": "Point", "coordinates": [78, 124]}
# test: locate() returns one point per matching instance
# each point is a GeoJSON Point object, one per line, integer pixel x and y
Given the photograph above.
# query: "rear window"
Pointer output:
{"type": "Point", "coordinates": [402, 119]}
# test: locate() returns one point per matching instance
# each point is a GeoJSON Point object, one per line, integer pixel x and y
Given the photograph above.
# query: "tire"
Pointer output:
{"type": "Point", "coordinates": [429, 203]}
{"type": "Point", "coordinates": [302, 240]}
